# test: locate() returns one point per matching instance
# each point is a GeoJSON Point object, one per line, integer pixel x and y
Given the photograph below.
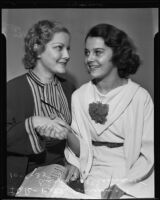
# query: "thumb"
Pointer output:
{"type": "Point", "coordinates": [68, 174]}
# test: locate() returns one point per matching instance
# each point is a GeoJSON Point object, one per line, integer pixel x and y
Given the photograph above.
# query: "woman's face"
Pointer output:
{"type": "Point", "coordinates": [56, 54]}
{"type": "Point", "coordinates": [98, 58]}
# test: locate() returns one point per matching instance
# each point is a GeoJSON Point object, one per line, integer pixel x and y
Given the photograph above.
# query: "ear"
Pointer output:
{"type": "Point", "coordinates": [36, 48]}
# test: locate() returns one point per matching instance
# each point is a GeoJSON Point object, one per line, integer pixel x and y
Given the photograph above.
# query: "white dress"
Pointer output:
{"type": "Point", "coordinates": [106, 161]}
{"type": "Point", "coordinates": [129, 121]}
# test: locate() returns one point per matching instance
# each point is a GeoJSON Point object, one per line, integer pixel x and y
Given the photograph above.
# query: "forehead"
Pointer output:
{"type": "Point", "coordinates": [60, 37]}
{"type": "Point", "coordinates": [95, 42]}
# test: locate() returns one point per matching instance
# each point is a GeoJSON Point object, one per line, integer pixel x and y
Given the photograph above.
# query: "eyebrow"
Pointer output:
{"type": "Point", "coordinates": [98, 48]}
{"type": "Point", "coordinates": [57, 43]}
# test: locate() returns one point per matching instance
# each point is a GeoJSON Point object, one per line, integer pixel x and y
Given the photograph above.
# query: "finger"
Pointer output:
{"type": "Point", "coordinates": [75, 175]}
{"type": "Point", "coordinates": [58, 128]}
{"type": "Point", "coordinates": [47, 131]}
{"type": "Point", "coordinates": [56, 135]}
{"type": "Point", "coordinates": [58, 132]}
{"type": "Point", "coordinates": [38, 128]}
{"type": "Point", "coordinates": [41, 130]}
{"type": "Point", "coordinates": [59, 124]}
{"type": "Point", "coordinates": [59, 135]}
{"type": "Point", "coordinates": [63, 134]}
{"type": "Point", "coordinates": [63, 130]}
{"type": "Point", "coordinates": [69, 175]}
{"type": "Point", "coordinates": [62, 123]}
{"type": "Point", "coordinates": [50, 131]}
{"type": "Point", "coordinates": [73, 178]}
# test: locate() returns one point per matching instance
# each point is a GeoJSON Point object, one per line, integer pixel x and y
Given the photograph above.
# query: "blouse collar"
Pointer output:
{"type": "Point", "coordinates": [38, 80]}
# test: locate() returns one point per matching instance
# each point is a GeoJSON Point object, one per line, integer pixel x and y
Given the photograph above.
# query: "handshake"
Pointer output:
{"type": "Point", "coordinates": [51, 127]}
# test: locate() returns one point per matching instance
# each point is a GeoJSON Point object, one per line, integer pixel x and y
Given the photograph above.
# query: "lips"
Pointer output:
{"type": "Point", "coordinates": [93, 67]}
{"type": "Point", "coordinates": [64, 62]}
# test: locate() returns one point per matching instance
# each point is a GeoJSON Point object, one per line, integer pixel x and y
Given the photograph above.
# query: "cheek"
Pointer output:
{"type": "Point", "coordinates": [106, 60]}
{"type": "Point", "coordinates": [85, 60]}
{"type": "Point", "coordinates": [49, 60]}
{"type": "Point", "coordinates": [54, 56]}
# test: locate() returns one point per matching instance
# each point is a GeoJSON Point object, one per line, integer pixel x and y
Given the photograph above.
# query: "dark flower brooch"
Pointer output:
{"type": "Point", "coordinates": [98, 112]}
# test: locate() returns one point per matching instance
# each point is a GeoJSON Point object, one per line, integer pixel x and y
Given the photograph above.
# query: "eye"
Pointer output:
{"type": "Point", "coordinates": [68, 48]}
{"type": "Point", "coordinates": [59, 47]}
{"type": "Point", "coordinates": [98, 52]}
{"type": "Point", "coordinates": [86, 53]}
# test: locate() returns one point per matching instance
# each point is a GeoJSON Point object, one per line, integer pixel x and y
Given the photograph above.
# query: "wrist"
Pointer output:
{"type": "Point", "coordinates": [35, 122]}
{"type": "Point", "coordinates": [38, 121]}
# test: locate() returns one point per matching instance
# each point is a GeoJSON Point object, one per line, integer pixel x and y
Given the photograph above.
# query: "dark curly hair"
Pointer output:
{"type": "Point", "coordinates": [124, 51]}
{"type": "Point", "coordinates": [39, 34]}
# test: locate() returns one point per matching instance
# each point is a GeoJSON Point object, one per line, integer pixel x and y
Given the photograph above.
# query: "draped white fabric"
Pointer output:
{"type": "Point", "coordinates": [130, 120]}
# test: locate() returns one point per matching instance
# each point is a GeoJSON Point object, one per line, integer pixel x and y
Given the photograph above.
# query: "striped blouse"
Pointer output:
{"type": "Point", "coordinates": [50, 101]}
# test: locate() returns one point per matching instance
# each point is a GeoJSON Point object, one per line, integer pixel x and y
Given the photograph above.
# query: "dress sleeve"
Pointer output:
{"type": "Point", "coordinates": [69, 154]}
{"type": "Point", "coordinates": [139, 179]}
{"type": "Point", "coordinates": [84, 161]}
{"type": "Point", "coordinates": [146, 156]}
{"type": "Point", "coordinates": [36, 141]}
{"type": "Point", "coordinates": [21, 137]}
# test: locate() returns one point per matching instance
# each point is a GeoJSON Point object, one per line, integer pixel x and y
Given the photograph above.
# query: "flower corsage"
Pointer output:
{"type": "Point", "coordinates": [98, 112]}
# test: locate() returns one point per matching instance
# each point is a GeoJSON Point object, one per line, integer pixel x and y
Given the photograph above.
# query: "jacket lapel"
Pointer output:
{"type": "Point", "coordinates": [118, 101]}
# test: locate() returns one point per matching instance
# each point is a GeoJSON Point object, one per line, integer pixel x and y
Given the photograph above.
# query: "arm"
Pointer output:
{"type": "Point", "coordinates": [71, 154]}
{"type": "Point", "coordinates": [19, 109]}
{"type": "Point", "coordinates": [58, 129]}
{"type": "Point", "coordinates": [145, 161]}
{"type": "Point", "coordinates": [81, 159]}
{"type": "Point", "coordinates": [139, 149]}
{"type": "Point", "coordinates": [73, 143]}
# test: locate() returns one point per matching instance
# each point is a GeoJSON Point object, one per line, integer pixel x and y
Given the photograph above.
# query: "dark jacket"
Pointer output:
{"type": "Point", "coordinates": [20, 105]}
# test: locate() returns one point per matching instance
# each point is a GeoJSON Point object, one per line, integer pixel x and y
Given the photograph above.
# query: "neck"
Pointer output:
{"type": "Point", "coordinates": [44, 75]}
{"type": "Point", "coordinates": [105, 85]}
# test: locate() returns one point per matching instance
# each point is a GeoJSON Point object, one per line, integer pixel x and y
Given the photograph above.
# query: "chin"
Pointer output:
{"type": "Point", "coordinates": [61, 71]}
{"type": "Point", "coordinates": [95, 75]}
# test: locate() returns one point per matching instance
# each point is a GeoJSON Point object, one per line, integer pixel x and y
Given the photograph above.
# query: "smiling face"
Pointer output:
{"type": "Point", "coordinates": [98, 58]}
{"type": "Point", "coordinates": [56, 54]}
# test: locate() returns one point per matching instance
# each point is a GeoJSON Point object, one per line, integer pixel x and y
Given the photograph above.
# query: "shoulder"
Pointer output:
{"type": "Point", "coordinates": [145, 97]}
{"type": "Point", "coordinates": [18, 87]}
{"type": "Point", "coordinates": [81, 91]}
{"type": "Point", "coordinates": [142, 94]}
{"type": "Point", "coordinates": [17, 81]}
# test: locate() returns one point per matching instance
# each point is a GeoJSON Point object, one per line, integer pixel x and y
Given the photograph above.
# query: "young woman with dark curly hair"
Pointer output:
{"type": "Point", "coordinates": [113, 116]}
{"type": "Point", "coordinates": [37, 101]}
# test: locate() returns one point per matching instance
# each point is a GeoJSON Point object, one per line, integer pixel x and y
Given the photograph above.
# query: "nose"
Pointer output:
{"type": "Point", "coordinates": [66, 54]}
{"type": "Point", "coordinates": [90, 57]}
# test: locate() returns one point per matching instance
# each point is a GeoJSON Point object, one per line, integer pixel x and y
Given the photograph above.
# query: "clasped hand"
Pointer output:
{"type": "Point", "coordinates": [53, 128]}
{"type": "Point", "coordinates": [72, 173]}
